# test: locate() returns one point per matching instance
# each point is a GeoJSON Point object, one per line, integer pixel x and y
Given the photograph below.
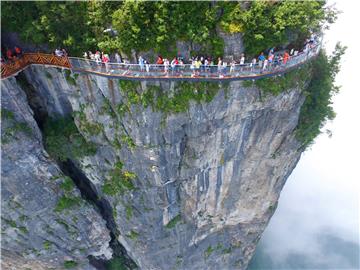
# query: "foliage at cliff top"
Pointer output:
{"type": "Point", "coordinates": [142, 25]}
{"type": "Point", "coordinates": [317, 108]}
{"type": "Point", "coordinates": [318, 81]}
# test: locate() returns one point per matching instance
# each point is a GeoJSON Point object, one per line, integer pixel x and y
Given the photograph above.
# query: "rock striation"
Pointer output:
{"type": "Point", "coordinates": [36, 232]}
{"type": "Point", "coordinates": [198, 183]}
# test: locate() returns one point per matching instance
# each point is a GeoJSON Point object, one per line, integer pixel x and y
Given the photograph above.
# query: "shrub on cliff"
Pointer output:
{"type": "Point", "coordinates": [317, 108]}
{"type": "Point", "coordinates": [63, 140]}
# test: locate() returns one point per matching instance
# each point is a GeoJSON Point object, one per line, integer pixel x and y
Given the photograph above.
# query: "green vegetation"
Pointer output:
{"type": "Point", "coordinates": [63, 140]}
{"type": "Point", "coordinates": [47, 244]}
{"type": "Point", "coordinates": [71, 80]}
{"type": "Point", "coordinates": [116, 263]}
{"type": "Point", "coordinates": [208, 251]}
{"type": "Point", "coordinates": [160, 100]}
{"type": "Point", "coordinates": [133, 235]}
{"type": "Point", "coordinates": [157, 25]}
{"type": "Point", "coordinates": [67, 185]}
{"type": "Point", "coordinates": [13, 224]}
{"type": "Point", "coordinates": [129, 211]}
{"type": "Point", "coordinates": [126, 139]}
{"type": "Point", "coordinates": [172, 223]}
{"type": "Point", "coordinates": [267, 24]}
{"type": "Point", "coordinates": [67, 202]}
{"type": "Point", "coordinates": [107, 109]}
{"type": "Point", "coordinates": [227, 250]}
{"type": "Point", "coordinates": [277, 85]}
{"type": "Point", "coordinates": [14, 126]}
{"type": "Point", "coordinates": [48, 75]}
{"type": "Point", "coordinates": [6, 114]}
{"type": "Point", "coordinates": [119, 181]}
{"type": "Point", "coordinates": [86, 126]}
{"type": "Point", "coordinates": [319, 75]}
{"type": "Point", "coordinates": [70, 264]}
{"type": "Point", "coordinates": [317, 108]}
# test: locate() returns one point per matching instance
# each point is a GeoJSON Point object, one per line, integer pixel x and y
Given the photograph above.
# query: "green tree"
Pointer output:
{"type": "Point", "coordinates": [317, 108]}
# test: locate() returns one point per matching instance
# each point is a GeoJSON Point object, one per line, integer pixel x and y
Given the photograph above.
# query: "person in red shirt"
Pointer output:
{"type": "Point", "coordinates": [17, 51]}
{"type": "Point", "coordinates": [286, 57]}
{"type": "Point", "coordinates": [160, 60]}
{"type": "Point", "coordinates": [9, 54]}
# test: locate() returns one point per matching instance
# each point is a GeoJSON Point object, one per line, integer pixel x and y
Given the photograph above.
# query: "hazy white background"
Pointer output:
{"type": "Point", "coordinates": [316, 225]}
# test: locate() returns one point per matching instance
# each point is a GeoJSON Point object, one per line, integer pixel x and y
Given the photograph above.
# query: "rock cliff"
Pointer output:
{"type": "Point", "coordinates": [192, 172]}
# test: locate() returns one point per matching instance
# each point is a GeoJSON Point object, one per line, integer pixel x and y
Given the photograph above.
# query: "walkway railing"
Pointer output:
{"type": "Point", "coordinates": [187, 71]}
{"type": "Point", "coordinates": [13, 67]}
{"type": "Point", "coordinates": [155, 72]}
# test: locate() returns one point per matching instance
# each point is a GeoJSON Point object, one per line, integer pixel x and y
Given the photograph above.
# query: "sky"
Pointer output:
{"type": "Point", "coordinates": [316, 224]}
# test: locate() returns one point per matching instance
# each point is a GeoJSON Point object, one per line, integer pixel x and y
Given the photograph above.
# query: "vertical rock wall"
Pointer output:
{"type": "Point", "coordinates": [204, 182]}
{"type": "Point", "coordinates": [37, 233]}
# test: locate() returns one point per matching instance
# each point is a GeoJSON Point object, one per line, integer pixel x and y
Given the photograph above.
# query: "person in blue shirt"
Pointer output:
{"type": "Point", "coordinates": [261, 59]}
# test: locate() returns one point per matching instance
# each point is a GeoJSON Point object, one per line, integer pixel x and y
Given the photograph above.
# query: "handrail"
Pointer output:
{"type": "Point", "coordinates": [154, 71]}
{"type": "Point", "coordinates": [11, 68]}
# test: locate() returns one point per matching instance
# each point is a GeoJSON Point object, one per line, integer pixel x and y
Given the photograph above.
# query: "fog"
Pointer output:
{"type": "Point", "coordinates": [316, 225]}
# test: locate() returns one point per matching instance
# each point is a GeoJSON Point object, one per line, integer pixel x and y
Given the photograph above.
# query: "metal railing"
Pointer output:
{"type": "Point", "coordinates": [188, 71]}
{"type": "Point", "coordinates": [151, 71]}
{"type": "Point", "coordinates": [12, 67]}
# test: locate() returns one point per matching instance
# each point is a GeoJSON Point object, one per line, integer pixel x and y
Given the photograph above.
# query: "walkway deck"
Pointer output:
{"type": "Point", "coordinates": [157, 72]}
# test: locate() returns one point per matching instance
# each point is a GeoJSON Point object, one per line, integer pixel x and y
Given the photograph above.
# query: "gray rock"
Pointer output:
{"type": "Point", "coordinates": [207, 180]}
{"type": "Point", "coordinates": [34, 234]}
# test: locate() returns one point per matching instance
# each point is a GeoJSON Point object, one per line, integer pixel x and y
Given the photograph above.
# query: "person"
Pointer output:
{"type": "Point", "coordinates": [160, 60]}
{"type": "Point", "coordinates": [292, 51]}
{"type": "Point", "coordinates": [174, 63]}
{"type": "Point", "coordinates": [147, 66]}
{"type": "Point", "coordinates": [202, 66]}
{"type": "Point", "coordinates": [91, 55]}
{"type": "Point", "coordinates": [197, 66]}
{"type": "Point", "coordinates": [166, 65]}
{"type": "Point", "coordinates": [58, 52]}
{"type": "Point", "coordinates": [192, 66]}
{"type": "Point", "coordinates": [106, 60]}
{"type": "Point", "coordinates": [219, 65]}
{"type": "Point", "coordinates": [64, 53]}
{"type": "Point", "coordinates": [224, 68]}
{"type": "Point", "coordinates": [206, 64]}
{"type": "Point", "coordinates": [141, 63]}
{"type": "Point", "coordinates": [242, 61]}
{"type": "Point", "coordinates": [266, 61]}
{"type": "Point", "coordinates": [253, 64]}
{"type": "Point", "coordinates": [286, 57]}
{"type": "Point", "coordinates": [18, 51]}
{"type": "Point", "coordinates": [117, 58]}
{"type": "Point", "coordinates": [97, 57]}
{"type": "Point", "coordinates": [182, 66]}
{"type": "Point", "coordinates": [261, 59]}
{"type": "Point", "coordinates": [85, 55]}
{"type": "Point", "coordinates": [9, 54]}
{"type": "Point", "coordinates": [271, 59]}
{"type": "Point", "coordinates": [232, 66]}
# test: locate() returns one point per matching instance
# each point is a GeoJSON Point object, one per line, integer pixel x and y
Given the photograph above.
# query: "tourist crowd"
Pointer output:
{"type": "Point", "coordinates": [200, 64]}
{"type": "Point", "coordinates": [197, 64]}
{"type": "Point", "coordinates": [10, 54]}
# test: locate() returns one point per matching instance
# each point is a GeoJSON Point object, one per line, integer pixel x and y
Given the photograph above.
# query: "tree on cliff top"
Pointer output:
{"type": "Point", "coordinates": [143, 25]}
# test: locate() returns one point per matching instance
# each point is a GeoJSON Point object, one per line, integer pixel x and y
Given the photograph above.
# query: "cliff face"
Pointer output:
{"type": "Point", "coordinates": [197, 185]}
{"type": "Point", "coordinates": [36, 232]}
